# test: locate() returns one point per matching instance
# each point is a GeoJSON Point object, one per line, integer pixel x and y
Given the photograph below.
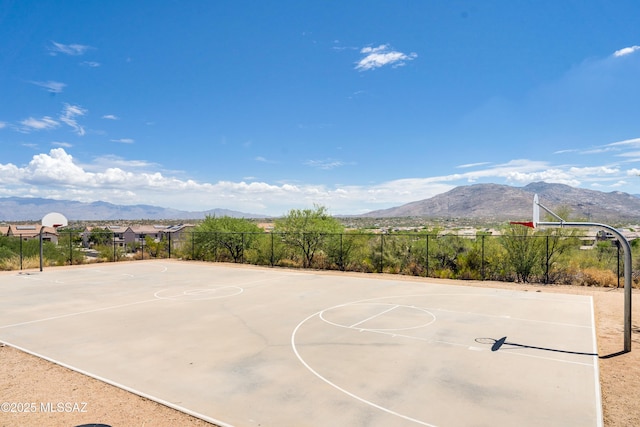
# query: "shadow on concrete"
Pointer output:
{"type": "Point", "coordinates": [616, 354]}
{"type": "Point", "coordinates": [497, 345]}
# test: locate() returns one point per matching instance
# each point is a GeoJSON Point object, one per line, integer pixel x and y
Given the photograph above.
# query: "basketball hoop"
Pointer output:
{"type": "Point", "coordinates": [529, 224]}
{"type": "Point", "coordinates": [535, 215]}
{"type": "Point", "coordinates": [624, 243]}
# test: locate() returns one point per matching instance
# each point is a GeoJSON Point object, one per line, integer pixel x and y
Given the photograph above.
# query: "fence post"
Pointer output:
{"type": "Point", "coordinates": [113, 240]}
{"type": "Point", "coordinates": [546, 273]}
{"type": "Point", "coordinates": [272, 254]}
{"type": "Point", "coordinates": [342, 267]}
{"type": "Point", "coordinates": [482, 259]}
{"type": "Point", "coordinates": [381, 268]}
{"type": "Point", "coordinates": [242, 256]}
{"type": "Point", "coordinates": [20, 251]}
{"type": "Point", "coordinates": [169, 239]}
{"type": "Point", "coordinates": [41, 251]}
{"type": "Point", "coordinates": [70, 250]}
{"type": "Point", "coordinates": [193, 245]}
{"type": "Point", "coordinates": [427, 256]}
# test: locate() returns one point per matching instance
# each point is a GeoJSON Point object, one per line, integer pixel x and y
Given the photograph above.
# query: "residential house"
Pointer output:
{"type": "Point", "coordinates": [33, 231]}
{"type": "Point", "coordinates": [179, 234]}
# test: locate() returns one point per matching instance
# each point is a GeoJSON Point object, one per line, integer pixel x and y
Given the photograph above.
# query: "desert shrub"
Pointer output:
{"type": "Point", "coordinates": [6, 253]}
{"type": "Point", "coordinates": [289, 263]}
{"type": "Point", "coordinates": [13, 263]}
{"type": "Point", "coordinates": [596, 277]}
{"type": "Point", "coordinates": [414, 269]}
{"type": "Point", "coordinates": [106, 253]}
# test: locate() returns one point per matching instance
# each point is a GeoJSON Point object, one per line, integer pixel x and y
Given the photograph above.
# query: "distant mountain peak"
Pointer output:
{"type": "Point", "coordinates": [504, 202]}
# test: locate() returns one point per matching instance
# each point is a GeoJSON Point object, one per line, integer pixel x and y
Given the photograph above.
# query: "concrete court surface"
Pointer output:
{"type": "Point", "coordinates": [247, 346]}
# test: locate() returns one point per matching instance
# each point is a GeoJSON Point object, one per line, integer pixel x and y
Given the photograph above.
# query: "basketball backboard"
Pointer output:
{"type": "Point", "coordinates": [55, 220]}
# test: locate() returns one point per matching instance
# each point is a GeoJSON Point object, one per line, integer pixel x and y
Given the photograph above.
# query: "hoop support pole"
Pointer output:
{"type": "Point", "coordinates": [627, 269]}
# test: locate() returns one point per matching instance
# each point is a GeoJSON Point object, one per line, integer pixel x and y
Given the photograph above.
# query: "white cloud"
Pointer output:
{"type": "Point", "coordinates": [111, 161]}
{"type": "Point", "coordinates": [67, 49]}
{"type": "Point", "coordinates": [262, 159]}
{"type": "Point", "coordinates": [630, 156]}
{"type": "Point", "coordinates": [376, 57]}
{"type": "Point", "coordinates": [3, 125]}
{"type": "Point", "coordinates": [618, 184]}
{"type": "Point", "coordinates": [61, 144]}
{"type": "Point", "coordinates": [472, 165]}
{"type": "Point", "coordinates": [327, 164]}
{"type": "Point", "coordinates": [57, 167]}
{"type": "Point", "coordinates": [69, 114]}
{"type": "Point", "coordinates": [51, 86]}
{"type": "Point", "coordinates": [588, 171]}
{"type": "Point", "coordinates": [117, 180]}
{"type": "Point", "coordinates": [91, 64]}
{"type": "Point", "coordinates": [31, 124]}
{"type": "Point", "coordinates": [110, 117]}
{"type": "Point", "coordinates": [635, 142]}
{"type": "Point", "coordinates": [626, 51]}
{"type": "Point", "coordinates": [123, 140]}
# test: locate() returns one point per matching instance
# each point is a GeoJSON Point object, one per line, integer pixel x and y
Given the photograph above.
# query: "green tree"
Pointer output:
{"type": "Point", "coordinates": [233, 234]}
{"type": "Point", "coordinates": [307, 230]}
{"type": "Point", "coordinates": [100, 236]}
{"type": "Point", "coordinates": [524, 251]}
{"type": "Point", "coordinates": [156, 248]}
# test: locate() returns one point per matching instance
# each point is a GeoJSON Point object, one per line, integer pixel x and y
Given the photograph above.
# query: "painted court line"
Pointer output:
{"type": "Point", "coordinates": [342, 390]}
{"type": "Point", "coordinates": [123, 387]}
{"type": "Point", "coordinates": [62, 316]}
{"type": "Point", "coordinates": [374, 316]}
{"type": "Point", "coordinates": [373, 379]}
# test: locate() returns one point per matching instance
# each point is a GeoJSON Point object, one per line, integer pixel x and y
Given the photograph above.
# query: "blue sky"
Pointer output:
{"type": "Point", "coordinates": [263, 107]}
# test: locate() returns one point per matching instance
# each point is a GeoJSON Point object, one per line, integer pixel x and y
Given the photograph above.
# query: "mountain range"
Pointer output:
{"type": "Point", "coordinates": [33, 209]}
{"type": "Point", "coordinates": [491, 202]}
{"type": "Point", "coordinates": [503, 202]}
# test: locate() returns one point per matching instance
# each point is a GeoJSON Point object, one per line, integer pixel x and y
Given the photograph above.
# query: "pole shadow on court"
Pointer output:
{"type": "Point", "coordinates": [497, 344]}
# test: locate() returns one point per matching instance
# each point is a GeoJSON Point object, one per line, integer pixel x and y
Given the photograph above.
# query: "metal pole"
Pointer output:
{"type": "Point", "coordinates": [41, 254]}
{"type": "Point", "coordinates": [618, 263]}
{"type": "Point", "coordinates": [427, 256]}
{"type": "Point", "coordinates": [381, 253]}
{"type": "Point", "coordinates": [627, 269]}
{"type": "Point", "coordinates": [546, 263]}
{"type": "Point", "coordinates": [482, 258]}
{"type": "Point", "coordinates": [272, 255]}
{"type": "Point", "coordinates": [341, 253]}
